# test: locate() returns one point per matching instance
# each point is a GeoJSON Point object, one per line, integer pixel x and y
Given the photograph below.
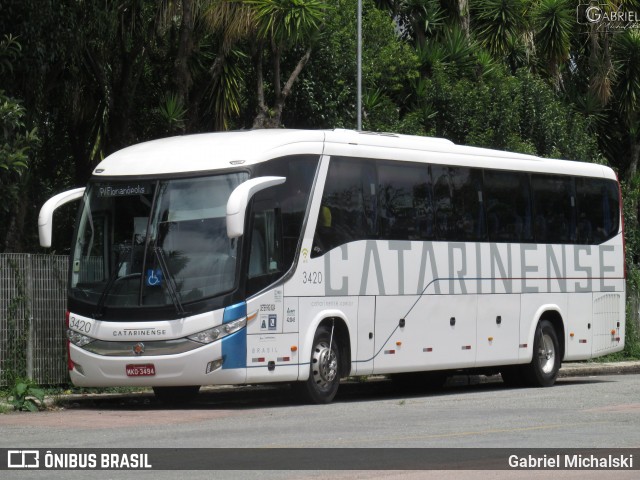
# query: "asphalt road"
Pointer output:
{"type": "Point", "coordinates": [579, 412]}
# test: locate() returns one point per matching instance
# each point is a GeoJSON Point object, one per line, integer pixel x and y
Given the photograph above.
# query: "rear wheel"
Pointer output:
{"type": "Point", "coordinates": [545, 364]}
{"type": "Point", "coordinates": [324, 371]}
{"type": "Point", "coordinates": [176, 395]}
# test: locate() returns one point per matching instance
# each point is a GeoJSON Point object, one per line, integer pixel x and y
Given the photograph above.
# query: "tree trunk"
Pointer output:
{"type": "Point", "coordinates": [635, 158]}
{"type": "Point", "coordinates": [14, 239]}
{"type": "Point", "coordinates": [463, 12]}
{"type": "Point", "coordinates": [273, 119]}
{"type": "Point", "coordinates": [185, 49]}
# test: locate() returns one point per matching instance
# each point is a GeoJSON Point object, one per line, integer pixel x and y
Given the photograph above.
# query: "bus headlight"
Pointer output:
{"type": "Point", "coordinates": [216, 333]}
{"type": "Point", "coordinates": [78, 339]}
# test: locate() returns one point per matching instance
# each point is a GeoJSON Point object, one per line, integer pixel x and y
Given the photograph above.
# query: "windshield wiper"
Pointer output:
{"type": "Point", "coordinates": [120, 258]}
{"type": "Point", "coordinates": [170, 281]}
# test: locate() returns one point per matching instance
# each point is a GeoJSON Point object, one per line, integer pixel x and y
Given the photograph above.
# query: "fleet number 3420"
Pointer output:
{"type": "Point", "coordinates": [314, 278]}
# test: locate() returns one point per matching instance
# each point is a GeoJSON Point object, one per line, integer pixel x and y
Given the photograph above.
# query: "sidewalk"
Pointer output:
{"type": "Point", "coordinates": [585, 369]}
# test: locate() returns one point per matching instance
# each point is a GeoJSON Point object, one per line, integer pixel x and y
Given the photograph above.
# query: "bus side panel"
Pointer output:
{"type": "Point", "coordinates": [271, 352]}
{"type": "Point", "coordinates": [362, 359]}
{"type": "Point", "coordinates": [579, 326]}
{"type": "Point", "coordinates": [439, 333]}
{"type": "Point", "coordinates": [399, 348]}
{"type": "Point", "coordinates": [498, 329]}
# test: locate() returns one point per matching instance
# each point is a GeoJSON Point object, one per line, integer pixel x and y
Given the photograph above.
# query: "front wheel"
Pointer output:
{"type": "Point", "coordinates": [324, 375]}
{"type": "Point", "coordinates": [545, 364]}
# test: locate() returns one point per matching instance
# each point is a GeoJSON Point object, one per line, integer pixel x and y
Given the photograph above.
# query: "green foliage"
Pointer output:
{"type": "Point", "coordinates": [9, 53]}
{"type": "Point", "coordinates": [554, 21]}
{"type": "Point", "coordinates": [173, 113]}
{"type": "Point", "coordinates": [25, 395]}
{"type": "Point", "coordinates": [14, 366]}
{"type": "Point", "coordinates": [287, 20]}
{"type": "Point", "coordinates": [227, 90]}
{"type": "Point", "coordinates": [326, 95]}
{"type": "Point", "coordinates": [626, 48]}
{"type": "Point", "coordinates": [498, 22]}
{"type": "Point", "coordinates": [630, 198]}
{"type": "Point", "coordinates": [517, 113]}
{"type": "Point", "coordinates": [16, 139]}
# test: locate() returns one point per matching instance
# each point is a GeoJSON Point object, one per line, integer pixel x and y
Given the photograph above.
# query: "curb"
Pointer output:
{"type": "Point", "coordinates": [594, 368]}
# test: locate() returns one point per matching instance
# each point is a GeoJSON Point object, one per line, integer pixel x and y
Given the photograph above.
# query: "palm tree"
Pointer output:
{"type": "Point", "coordinates": [282, 24]}
{"type": "Point", "coordinates": [231, 23]}
{"type": "Point", "coordinates": [497, 22]}
{"type": "Point", "coordinates": [554, 21]}
{"type": "Point", "coordinates": [626, 53]}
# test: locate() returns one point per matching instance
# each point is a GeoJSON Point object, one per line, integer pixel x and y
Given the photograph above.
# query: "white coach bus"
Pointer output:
{"type": "Point", "coordinates": [309, 256]}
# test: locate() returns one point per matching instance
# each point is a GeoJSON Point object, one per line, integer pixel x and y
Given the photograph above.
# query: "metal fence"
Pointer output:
{"type": "Point", "coordinates": [32, 307]}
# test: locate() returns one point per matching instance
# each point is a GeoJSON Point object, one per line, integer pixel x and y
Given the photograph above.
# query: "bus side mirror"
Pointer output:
{"type": "Point", "coordinates": [239, 199]}
{"type": "Point", "coordinates": [45, 218]}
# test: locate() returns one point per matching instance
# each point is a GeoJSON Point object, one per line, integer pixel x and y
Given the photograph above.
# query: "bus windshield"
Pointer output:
{"type": "Point", "coordinates": [154, 243]}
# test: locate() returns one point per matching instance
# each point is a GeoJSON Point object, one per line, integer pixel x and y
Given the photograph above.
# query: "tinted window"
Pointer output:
{"type": "Point", "coordinates": [348, 211]}
{"type": "Point", "coordinates": [507, 202]}
{"type": "Point", "coordinates": [404, 193]}
{"type": "Point", "coordinates": [456, 203]}
{"type": "Point", "coordinates": [277, 218]}
{"type": "Point", "coordinates": [598, 209]}
{"type": "Point", "coordinates": [380, 199]}
{"type": "Point", "coordinates": [554, 215]}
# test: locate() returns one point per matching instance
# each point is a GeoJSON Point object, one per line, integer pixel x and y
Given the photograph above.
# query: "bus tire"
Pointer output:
{"type": "Point", "coordinates": [176, 395]}
{"type": "Point", "coordinates": [545, 364]}
{"type": "Point", "coordinates": [324, 370]}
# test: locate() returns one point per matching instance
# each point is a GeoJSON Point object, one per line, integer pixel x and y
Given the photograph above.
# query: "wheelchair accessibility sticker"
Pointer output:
{"type": "Point", "coordinates": [153, 278]}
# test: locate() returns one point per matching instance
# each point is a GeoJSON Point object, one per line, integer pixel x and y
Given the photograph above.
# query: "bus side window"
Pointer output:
{"type": "Point", "coordinates": [598, 210]}
{"type": "Point", "coordinates": [349, 205]}
{"type": "Point", "coordinates": [507, 202]}
{"type": "Point", "coordinates": [265, 250]}
{"type": "Point", "coordinates": [553, 200]}
{"type": "Point", "coordinates": [456, 200]}
{"type": "Point", "coordinates": [277, 219]}
{"type": "Point", "coordinates": [405, 202]}
{"type": "Point", "coordinates": [264, 254]}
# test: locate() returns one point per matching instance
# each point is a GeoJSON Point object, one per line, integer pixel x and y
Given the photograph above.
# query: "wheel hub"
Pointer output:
{"type": "Point", "coordinates": [546, 353]}
{"type": "Point", "coordinates": [325, 365]}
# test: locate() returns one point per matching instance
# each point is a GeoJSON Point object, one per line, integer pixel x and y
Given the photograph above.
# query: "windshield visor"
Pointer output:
{"type": "Point", "coordinates": [154, 243]}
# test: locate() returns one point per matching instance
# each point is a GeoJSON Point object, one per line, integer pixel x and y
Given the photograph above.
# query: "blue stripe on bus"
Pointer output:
{"type": "Point", "coordinates": [234, 347]}
{"type": "Point", "coordinates": [234, 312]}
{"type": "Point", "coordinates": [234, 350]}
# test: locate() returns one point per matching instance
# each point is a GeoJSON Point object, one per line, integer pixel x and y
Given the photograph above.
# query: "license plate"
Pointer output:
{"type": "Point", "coordinates": [147, 370]}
